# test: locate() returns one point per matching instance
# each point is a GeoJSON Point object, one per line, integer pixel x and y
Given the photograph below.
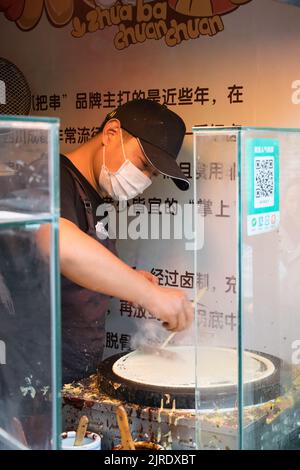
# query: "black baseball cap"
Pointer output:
{"type": "Point", "coordinates": [160, 133]}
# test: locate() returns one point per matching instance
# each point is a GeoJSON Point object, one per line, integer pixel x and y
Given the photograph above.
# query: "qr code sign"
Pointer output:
{"type": "Point", "coordinates": [264, 182]}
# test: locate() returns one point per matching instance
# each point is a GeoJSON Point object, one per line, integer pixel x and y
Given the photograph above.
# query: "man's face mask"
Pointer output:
{"type": "Point", "coordinates": [127, 182]}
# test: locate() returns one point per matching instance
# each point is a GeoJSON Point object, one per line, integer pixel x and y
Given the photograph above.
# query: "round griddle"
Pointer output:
{"type": "Point", "coordinates": [129, 391]}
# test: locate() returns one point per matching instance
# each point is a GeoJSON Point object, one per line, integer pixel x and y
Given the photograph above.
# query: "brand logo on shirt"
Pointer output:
{"type": "Point", "coordinates": [137, 21]}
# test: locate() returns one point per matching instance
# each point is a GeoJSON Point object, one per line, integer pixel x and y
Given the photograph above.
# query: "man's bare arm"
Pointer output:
{"type": "Point", "coordinates": [90, 264]}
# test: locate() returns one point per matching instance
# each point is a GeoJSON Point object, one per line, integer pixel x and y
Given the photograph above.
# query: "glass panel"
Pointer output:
{"type": "Point", "coordinates": [215, 157]}
{"type": "Point", "coordinates": [270, 270]}
{"type": "Point", "coordinates": [27, 177]}
{"type": "Point", "coordinates": [29, 274]}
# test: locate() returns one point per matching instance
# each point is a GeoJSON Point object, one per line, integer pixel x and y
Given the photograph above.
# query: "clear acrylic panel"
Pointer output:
{"type": "Point", "coordinates": [29, 284]}
{"type": "Point", "coordinates": [247, 185]}
{"type": "Point", "coordinates": [215, 157]}
{"type": "Point", "coordinates": [269, 227]}
{"type": "Point", "coordinates": [27, 167]}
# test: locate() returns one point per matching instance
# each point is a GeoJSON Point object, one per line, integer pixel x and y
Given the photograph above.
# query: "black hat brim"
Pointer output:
{"type": "Point", "coordinates": [165, 164]}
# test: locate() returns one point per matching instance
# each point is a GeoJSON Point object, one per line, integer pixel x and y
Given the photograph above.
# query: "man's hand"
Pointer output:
{"type": "Point", "coordinates": [171, 306]}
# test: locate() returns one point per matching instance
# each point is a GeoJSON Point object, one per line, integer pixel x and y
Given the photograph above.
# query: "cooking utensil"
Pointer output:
{"type": "Point", "coordinates": [81, 430]}
{"type": "Point", "coordinates": [169, 338]}
{"type": "Point", "coordinates": [126, 438]}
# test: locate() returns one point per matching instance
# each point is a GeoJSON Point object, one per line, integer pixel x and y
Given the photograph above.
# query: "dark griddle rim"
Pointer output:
{"type": "Point", "coordinates": [226, 397]}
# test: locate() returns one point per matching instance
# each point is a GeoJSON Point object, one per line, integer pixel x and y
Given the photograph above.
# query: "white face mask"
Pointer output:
{"type": "Point", "coordinates": [126, 183]}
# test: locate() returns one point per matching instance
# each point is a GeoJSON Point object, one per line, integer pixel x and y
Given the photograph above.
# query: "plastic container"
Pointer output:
{"type": "Point", "coordinates": [92, 441]}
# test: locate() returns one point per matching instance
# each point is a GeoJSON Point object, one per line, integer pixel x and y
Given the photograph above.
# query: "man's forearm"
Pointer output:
{"type": "Point", "coordinates": [90, 264]}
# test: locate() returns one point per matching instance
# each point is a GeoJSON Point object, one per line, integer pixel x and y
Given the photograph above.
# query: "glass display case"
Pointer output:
{"type": "Point", "coordinates": [29, 284]}
{"type": "Point", "coordinates": [247, 208]}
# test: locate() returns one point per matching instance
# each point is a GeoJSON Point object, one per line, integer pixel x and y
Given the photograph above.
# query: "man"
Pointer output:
{"type": "Point", "coordinates": [137, 141]}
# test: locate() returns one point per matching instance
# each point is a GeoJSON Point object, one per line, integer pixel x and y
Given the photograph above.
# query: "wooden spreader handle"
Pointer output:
{"type": "Point", "coordinates": [81, 430]}
{"type": "Point", "coordinates": [126, 438]}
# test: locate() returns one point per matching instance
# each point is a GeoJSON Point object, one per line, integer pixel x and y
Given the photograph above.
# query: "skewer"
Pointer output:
{"type": "Point", "coordinates": [171, 336]}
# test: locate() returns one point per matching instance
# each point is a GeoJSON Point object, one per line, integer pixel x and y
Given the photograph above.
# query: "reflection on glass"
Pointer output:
{"type": "Point", "coordinates": [29, 302]}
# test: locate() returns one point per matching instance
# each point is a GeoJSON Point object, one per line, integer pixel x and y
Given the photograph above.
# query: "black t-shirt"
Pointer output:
{"type": "Point", "coordinates": [83, 311]}
{"type": "Point", "coordinates": [72, 207]}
